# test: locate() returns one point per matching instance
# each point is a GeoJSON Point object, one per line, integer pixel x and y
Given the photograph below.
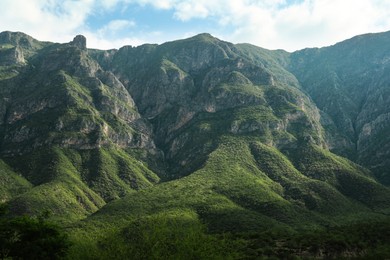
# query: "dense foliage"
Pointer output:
{"type": "Point", "coordinates": [178, 236]}
{"type": "Point", "coordinates": [31, 238]}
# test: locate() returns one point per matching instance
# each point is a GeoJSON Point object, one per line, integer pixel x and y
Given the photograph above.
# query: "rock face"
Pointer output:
{"type": "Point", "coordinates": [177, 84]}
{"type": "Point", "coordinates": [80, 41]}
{"type": "Point", "coordinates": [67, 80]}
{"type": "Point", "coordinates": [11, 56]}
{"type": "Point", "coordinates": [350, 83]}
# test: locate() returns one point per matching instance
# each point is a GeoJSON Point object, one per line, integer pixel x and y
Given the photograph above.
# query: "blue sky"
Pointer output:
{"type": "Point", "coordinates": [272, 24]}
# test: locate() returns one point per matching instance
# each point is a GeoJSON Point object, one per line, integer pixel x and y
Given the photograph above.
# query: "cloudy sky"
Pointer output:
{"type": "Point", "coordinates": [272, 24]}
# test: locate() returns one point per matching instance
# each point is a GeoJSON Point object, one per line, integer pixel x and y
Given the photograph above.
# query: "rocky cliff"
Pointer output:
{"type": "Point", "coordinates": [349, 82]}
{"type": "Point", "coordinates": [61, 96]}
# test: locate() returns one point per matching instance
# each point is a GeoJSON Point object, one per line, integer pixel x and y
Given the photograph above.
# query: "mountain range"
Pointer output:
{"type": "Point", "coordinates": [199, 135]}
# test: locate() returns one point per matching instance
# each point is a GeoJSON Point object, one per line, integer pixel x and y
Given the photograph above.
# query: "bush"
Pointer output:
{"type": "Point", "coordinates": [31, 238]}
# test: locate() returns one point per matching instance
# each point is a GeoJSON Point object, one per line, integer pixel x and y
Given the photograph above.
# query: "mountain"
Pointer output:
{"type": "Point", "coordinates": [65, 126]}
{"type": "Point", "coordinates": [350, 83]}
{"type": "Point", "coordinates": [192, 140]}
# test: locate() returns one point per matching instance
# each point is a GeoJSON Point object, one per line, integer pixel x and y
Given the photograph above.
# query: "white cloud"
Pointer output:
{"type": "Point", "coordinates": [267, 23]}
{"type": "Point", "coordinates": [191, 10]}
{"type": "Point", "coordinates": [275, 24]}
{"type": "Point", "coordinates": [115, 26]}
{"type": "Point", "coordinates": [95, 41]}
{"type": "Point", "coordinates": [45, 19]}
{"type": "Point", "coordinates": [61, 20]}
{"type": "Point", "coordinates": [324, 22]}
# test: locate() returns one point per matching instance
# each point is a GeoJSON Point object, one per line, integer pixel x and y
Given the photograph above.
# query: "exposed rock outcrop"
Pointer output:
{"type": "Point", "coordinates": [80, 42]}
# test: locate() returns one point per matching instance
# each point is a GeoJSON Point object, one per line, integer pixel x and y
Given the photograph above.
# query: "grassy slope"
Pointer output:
{"type": "Point", "coordinates": [73, 184]}
{"type": "Point", "coordinates": [11, 184]}
{"type": "Point", "coordinates": [245, 186]}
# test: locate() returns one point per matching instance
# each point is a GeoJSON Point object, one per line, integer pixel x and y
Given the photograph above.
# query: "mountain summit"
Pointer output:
{"type": "Point", "coordinates": [80, 41]}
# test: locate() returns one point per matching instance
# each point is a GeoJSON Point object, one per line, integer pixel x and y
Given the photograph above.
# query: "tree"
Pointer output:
{"type": "Point", "coordinates": [31, 238]}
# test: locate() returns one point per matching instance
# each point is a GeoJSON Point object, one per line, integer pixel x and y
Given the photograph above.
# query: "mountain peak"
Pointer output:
{"type": "Point", "coordinates": [80, 41]}
{"type": "Point", "coordinates": [17, 39]}
{"type": "Point", "coordinates": [204, 37]}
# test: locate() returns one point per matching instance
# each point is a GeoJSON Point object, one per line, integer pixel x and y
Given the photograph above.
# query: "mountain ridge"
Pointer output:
{"type": "Point", "coordinates": [227, 136]}
{"type": "Point", "coordinates": [179, 77]}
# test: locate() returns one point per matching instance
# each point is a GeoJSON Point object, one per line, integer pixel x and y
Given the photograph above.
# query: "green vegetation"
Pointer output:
{"type": "Point", "coordinates": [6, 46]}
{"type": "Point", "coordinates": [73, 184]}
{"type": "Point", "coordinates": [248, 89]}
{"type": "Point", "coordinates": [193, 149]}
{"type": "Point", "coordinates": [353, 241]}
{"type": "Point", "coordinates": [251, 201]}
{"type": "Point", "coordinates": [31, 238]}
{"type": "Point", "coordinates": [171, 234]}
{"type": "Point", "coordinates": [11, 184]}
{"type": "Point", "coordinates": [273, 61]}
{"type": "Point", "coordinates": [8, 72]}
{"type": "Point", "coordinates": [179, 235]}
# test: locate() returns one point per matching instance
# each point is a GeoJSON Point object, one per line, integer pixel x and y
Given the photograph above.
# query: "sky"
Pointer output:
{"type": "Point", "coordinates": [273, 24]}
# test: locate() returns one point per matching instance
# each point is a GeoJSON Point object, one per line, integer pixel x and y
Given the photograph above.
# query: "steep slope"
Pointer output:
{"type": "Point", "coordinates": [244, 187]}
{"type": "Point", "coordinates": [263, 186]}
{"type": "Point", "coordinates": [180, 84]}
{"type": "Point", "coordinates": [65, 126]}
{"type": "Point", "coordinates": [350, 83]}
{"type": "Point", "coordinates": [12, 184]}
{"type": "Point", "coordinates": [63, 84]}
